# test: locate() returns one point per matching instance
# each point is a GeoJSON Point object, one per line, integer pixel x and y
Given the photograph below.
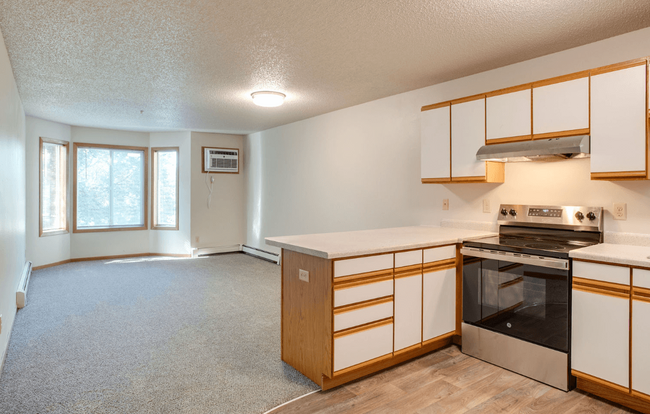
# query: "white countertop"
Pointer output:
{"type": "Point", "coordinates": [614, 253]}
{"type": "Point", "coordinates": [364, 242]}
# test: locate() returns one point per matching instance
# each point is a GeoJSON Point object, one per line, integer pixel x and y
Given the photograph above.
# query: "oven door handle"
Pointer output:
{"type": "Point", "coordinates": [550, 262]}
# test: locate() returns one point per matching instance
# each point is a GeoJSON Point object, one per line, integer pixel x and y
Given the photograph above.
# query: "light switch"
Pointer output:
{"type": "Point", "coordinates": [486, 205]}
{"type": "Point", "coordinates": [445, 204]}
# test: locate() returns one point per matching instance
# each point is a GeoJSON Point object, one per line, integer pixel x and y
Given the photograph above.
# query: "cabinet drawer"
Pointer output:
{"type": "Point", "coordinates": [354, 317]}
{"type": "Point", "coordinates": [361, 346]}
{"type": "Point", "coordinates": [408, 258]}
{"type": "Point", "coordinates": [439, 253]}
{"type": "Point", "coordinates": [641, 278]}
{"type": "Point", "coordinates": [605, 273]}
{"type": "Point", "coordinates": [363, 265]}
{"type": "Point", "coordinates": [359, 293]}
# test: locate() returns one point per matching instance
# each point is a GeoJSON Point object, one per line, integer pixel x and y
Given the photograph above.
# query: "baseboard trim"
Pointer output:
{"type": "Point", "coordinates": [261, 254]}
{"type": "Point", "coordinates": [62, 262]}
{"type": "Point", "coordinates": [120, 256]}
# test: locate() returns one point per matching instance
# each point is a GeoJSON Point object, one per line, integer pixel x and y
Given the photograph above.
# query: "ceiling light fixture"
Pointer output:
{"type": "Point", "coordinates": [268, 98]}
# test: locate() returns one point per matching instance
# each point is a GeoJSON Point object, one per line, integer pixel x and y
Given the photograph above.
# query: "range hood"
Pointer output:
{"type": "Point", "coordinates": [537, 150]}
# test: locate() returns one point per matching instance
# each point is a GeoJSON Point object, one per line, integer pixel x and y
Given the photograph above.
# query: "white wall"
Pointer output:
{"type": "Point", "coordinates": [108, 243]}
{"type": "Point", "coordinates": [12, 196]}
{"type": "Point", "coordinates": [224, 223]}
{"type": "Point", "coordinates": [172, 241]}
{"type": "Point", "coordinates": [49, 249]}
{"type": "Point", "coordinates": [359, 168]}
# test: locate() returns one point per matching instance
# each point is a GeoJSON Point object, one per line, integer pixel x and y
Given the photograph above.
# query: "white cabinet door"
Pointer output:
{"type": "Point", "coordinates": [561, 107]}
{"type": "Point", "coordinates": [439, 303]}
{"type": "Point", "coordinates": [641, 346]}
{"type": "Point", "coordinates": [467, 136]}
{"type": "Point", "coordinates": [618, 121]}
{"type": "Point", "coordinates": [508, 115]}
{"type": "Point", "coordinates": [435, 150]}
{"type": "Point", "coordinates": [600, 342]}
{"type": "Point", "coordinates": [408, 311]}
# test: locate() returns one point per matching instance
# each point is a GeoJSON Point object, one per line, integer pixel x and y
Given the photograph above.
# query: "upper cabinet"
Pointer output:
{"type": "Point", "coordinates": [609, 103]}
{"type": "Point", "coordinates": [509, 115]}
{"type": "Point", "coordinates": [435, 143]}
{"type": "Point", "coordinates": [619, 121]}
{"type": "Point", "coordinates": [451, 157]}
{"type": "Point", "coordinates": [467, 136]}
{"type": "Point", "coordinates": [561, 106]}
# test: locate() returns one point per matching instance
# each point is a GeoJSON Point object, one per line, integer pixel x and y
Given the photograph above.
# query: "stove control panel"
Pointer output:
{"type": "Point", "coordinates": [545, 212]}
{"type": "Point", "coordinates": [570, 217]}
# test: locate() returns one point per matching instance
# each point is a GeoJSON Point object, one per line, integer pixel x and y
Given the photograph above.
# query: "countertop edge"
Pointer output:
{"type": "Point", "coordinates": [611, 258]}
{"type": "Point", "coordinates": [366, 252]}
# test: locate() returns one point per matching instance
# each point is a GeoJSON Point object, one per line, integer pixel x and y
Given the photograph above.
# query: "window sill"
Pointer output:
{"type": "Point", "coordinates": [53, 233]}
{"type": "Point", "coordinates": [164, 228]}
{"type": "Point", "coordinates": [104, 229]}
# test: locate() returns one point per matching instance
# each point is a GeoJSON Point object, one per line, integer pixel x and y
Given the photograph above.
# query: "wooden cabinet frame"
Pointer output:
{"type": "Point", "coordinates": [308, 315]}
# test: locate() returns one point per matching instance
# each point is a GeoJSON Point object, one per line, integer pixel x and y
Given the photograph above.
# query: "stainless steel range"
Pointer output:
{"type": "Point", "coordinates": [517, 289]}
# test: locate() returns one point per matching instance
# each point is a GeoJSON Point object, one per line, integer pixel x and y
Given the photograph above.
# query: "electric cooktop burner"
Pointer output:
{"type": "Point", "coordinates": [528, 245]}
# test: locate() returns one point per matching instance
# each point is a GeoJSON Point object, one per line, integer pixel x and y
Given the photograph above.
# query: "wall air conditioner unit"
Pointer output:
{"type": "Point", "coordinates": [221, 160]}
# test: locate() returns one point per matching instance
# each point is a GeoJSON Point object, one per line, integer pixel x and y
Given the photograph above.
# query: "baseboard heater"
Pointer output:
{"type": "Point", "coordinates": [21, 293]}
{"type": "Point", "coordinates": [262, 254]}
{"type": "Point", "coordinates": [205, 251]}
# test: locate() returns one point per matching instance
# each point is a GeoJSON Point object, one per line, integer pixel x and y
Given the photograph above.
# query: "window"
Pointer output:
{"type": "Point", "coordinates": [164, 192]}
{"type": "Point", "coordinates": [53, 192]}
{"type": "Point", "coordinates": [110, 187]}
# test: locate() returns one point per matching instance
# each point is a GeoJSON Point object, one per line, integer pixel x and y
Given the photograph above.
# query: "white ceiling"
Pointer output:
{"type": "Point", "coordinates": [193, 64]}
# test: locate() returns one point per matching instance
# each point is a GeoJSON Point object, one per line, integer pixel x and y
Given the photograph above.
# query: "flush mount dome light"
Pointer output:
{"type": "Point", "coordinates": [268, 98]}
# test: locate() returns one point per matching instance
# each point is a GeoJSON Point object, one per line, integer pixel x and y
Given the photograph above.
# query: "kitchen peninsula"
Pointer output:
{"type": "Point", "coordinates": [354, 303]}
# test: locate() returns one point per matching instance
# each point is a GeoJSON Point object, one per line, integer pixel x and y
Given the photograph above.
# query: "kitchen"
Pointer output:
{"type": "Point", "coordinates": [348, 183]}
{"type": "Point", "coordinates": [624, 254]}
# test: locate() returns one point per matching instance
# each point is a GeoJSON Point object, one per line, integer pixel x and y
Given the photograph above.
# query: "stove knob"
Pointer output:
{"type": "Point", "coordinates": [513, 212]}
{"type": "Point", "coordinates": [580, 216]}
{"type": "Point", "coordinates": [591, 215]}
{"type": "Point", "coordinates": [504, 212]}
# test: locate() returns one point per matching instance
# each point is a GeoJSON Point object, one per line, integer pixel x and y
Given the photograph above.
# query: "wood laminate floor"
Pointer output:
{"type": "Point", "coordinates": [448, 381]}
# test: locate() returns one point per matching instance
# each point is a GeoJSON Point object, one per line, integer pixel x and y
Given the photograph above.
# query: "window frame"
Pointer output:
{"type": "Point", "coordinates": [145, 189]}
{"type": "Point", "coordinates": [154, 178]}
{"type": "Point", "coordinates": [66, 145]}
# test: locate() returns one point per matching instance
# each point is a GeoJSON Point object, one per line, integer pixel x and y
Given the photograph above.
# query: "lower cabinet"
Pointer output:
{"type": "Point", "coordinates": [439, 301]}
{"type": "Point", "coordinates": [408, 311]}
{"type": "Point", "coordinates": [363, 344]}
{"type": "Point", "coordinates": [355, 316]}
{"type": "Point", "coordinates": [641, 332]}
{"type": "Point", "coordinates": [600, 336]}
{"type": "Point", "coordinates": [641, 346]}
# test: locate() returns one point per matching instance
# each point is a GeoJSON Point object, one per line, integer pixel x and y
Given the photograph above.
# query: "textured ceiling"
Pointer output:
{"type": "Point", "coordinates": [193, 64]}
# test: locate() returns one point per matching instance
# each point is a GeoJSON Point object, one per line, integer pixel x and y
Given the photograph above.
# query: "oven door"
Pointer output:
{"type": "Point", "coordinates": [526, 297]}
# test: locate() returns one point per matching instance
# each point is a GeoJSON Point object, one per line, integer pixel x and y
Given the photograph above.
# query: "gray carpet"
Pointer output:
{"type": "Point", "coordinates": [150, 335]}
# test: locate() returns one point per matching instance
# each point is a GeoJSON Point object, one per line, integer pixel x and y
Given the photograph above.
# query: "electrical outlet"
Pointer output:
{"type": "Point", "coordinates": [445, 204]}
{"type": "Point", "coordinates": [196, 239]}
{"type": "Point", "coordinates": [620, 211]}
{"type": "Point", "coordinates": [303, 275]}
{"type": "Point", "coordinates": [486, 205]}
